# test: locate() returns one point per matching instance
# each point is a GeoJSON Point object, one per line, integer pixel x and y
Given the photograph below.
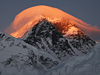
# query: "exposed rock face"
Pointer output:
{"type": "Point", "coordinates": [61, 42]}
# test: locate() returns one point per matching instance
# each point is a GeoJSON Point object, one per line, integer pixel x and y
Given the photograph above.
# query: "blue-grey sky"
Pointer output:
{"type": "Point", "coordinates": [86, 10]}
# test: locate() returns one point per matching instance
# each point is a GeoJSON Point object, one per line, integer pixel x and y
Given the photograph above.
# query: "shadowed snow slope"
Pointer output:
{"type": "Point", "coordinates": [86, 65]}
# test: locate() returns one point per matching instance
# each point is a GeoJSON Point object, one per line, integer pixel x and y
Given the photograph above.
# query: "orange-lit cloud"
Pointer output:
{"type": "Point", "coordinates": [26, 18]}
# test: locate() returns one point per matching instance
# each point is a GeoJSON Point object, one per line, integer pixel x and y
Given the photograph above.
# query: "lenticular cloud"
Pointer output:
{"type": "Point", "coordinates": [32, 13]}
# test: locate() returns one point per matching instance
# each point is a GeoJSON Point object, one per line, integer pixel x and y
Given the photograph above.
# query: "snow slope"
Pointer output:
{"type": "Point", "coordinates": [19, 58]}
{"type": "Point", "coordinates": [88, 64]}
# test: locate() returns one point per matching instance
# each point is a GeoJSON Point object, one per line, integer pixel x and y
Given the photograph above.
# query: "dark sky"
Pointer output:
{"type": "Point", "coordinates": [86, 10]}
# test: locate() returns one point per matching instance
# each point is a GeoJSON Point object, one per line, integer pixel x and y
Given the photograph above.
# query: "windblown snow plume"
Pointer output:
{"type": "Point", "coordinates": [33, 14]}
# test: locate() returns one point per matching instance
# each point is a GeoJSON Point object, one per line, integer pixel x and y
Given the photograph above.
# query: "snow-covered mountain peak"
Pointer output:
{"type": "Point", "coordinates": [45, 40]}
{"type": "Point", "coordinates": [61, 40]}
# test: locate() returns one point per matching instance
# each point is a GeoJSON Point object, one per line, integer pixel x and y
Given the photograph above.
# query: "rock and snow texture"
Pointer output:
{"type": "Point", "coordinates": [45, 36]}
{"type": "Point", "coordinates": [88, 64]}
